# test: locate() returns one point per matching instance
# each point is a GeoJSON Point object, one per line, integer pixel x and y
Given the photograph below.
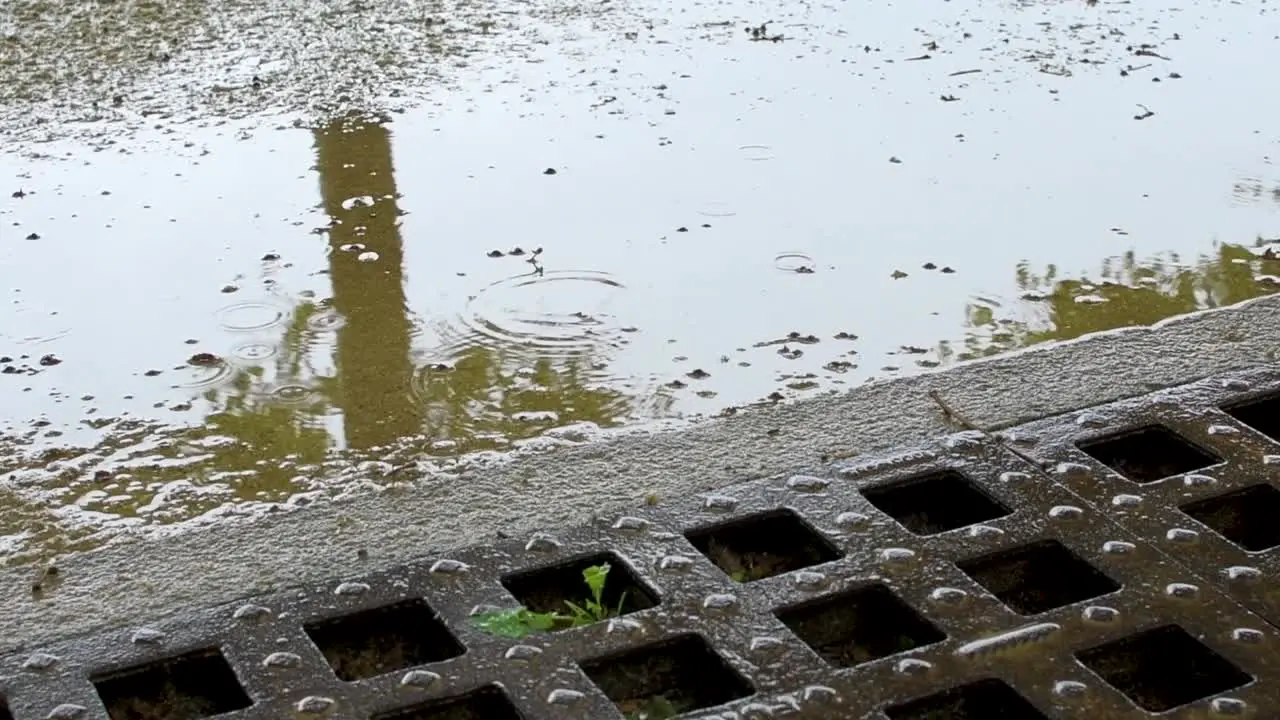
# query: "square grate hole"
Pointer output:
{"type": "Point", "coordinates": [1246, 517]}
{"type": "Point", "coordinates": [667, 678]}
{"type": "Point", "coordinates": [935, 503]}
{"type": "Point", "coordinates": [763, 545]}
{"type": "Point", "coordinates": [1149, 454]}
{"type": "Point", "coordinates": [486, 703]}
{"type": "Point", "coordinates": [1041, 576]}
{"type": "Point", "coordinates": [981, 700]}
{"type": "Point", "coordinates": [546, 589]}
{"type": "Point", "coordinates": [1262, 414]}
{"type": "Point", "coordinates": [1163, 668]}
{"type": "Point", "coordinates": [189, 687]}
{"type": "Point", "coordinates": [383, 640]}
{"type": "Point", "coordinates": [859, 625]}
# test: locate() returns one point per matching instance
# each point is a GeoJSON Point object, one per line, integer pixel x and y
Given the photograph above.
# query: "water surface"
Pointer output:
{"type": "Point", "coordinates": [228, 301]}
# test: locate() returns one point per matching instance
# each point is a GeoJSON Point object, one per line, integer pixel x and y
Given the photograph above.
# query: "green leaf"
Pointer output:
{"type": "Point", "coordinates": [581, 616]}
{"type": "Point", "coordinates": [515, 623]}
{"type": "Point", "coordinates": [542, 622]}
{"type": "Point", "coordinates": [596, 575]}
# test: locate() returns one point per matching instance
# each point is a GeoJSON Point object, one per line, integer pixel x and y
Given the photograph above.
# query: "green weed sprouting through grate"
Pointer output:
{"type": "Point", "coordinates": [522, 622]}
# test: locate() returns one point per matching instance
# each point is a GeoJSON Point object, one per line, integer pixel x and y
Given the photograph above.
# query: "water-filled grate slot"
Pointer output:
{"type": "Point", "coordinates": [1261, 414]}
{"type": "Point", "coordinates": [935, 503]}
{"type": "Point", "coordinates": [187, 687]}
{"type": "Point", "coordinates": [489, 702]}
{"type": "Point", "coordinates": [382, 640]}
{"type": "Point", "coordinates": [981, 700]}
{"type": "Point", "coordinates": [1038, 577]}
{"type": "Point", "coordinates": [667, 678]}
{"type": "Point", "coordinates": [859, 625]}
{"type": "Point", "coordinates": [1249, 517]}
{"type": "Point", "coordinates": [763, 545]}
{"type": "Point", "coordinates": [1163, 668]}
{"type": "Point", "coordinates": [1149, 454]}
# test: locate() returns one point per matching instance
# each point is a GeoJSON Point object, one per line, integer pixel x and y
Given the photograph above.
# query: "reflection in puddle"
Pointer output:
{"type": "Point", "coordinates": [207, 376]}
{"type": "Point", "coordinates": [251, 316]}
{"type": "Point", "coordinates": [1125, 293]}
{"type": "Point", "coordinates": [326, 321]}
{"type": "Point", "coordinates": [291, 394]}
{"type": "Point", "coordinates": [513, 371]}
{"type": "Point", "coordinates": [523, 357]}
{"type": "Point", "coordinates": [560, 312]}
{"type": "Point", "coordinates": [383, 344]}
{"type": "Point", "coordinates": [253, 352]}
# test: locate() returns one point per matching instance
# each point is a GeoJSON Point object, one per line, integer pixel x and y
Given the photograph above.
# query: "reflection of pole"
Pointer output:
{"type": "Point", "coordinates": [373, 363]}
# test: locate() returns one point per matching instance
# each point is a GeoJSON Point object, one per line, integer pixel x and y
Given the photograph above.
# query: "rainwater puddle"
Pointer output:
{"type": "Point", "coordinates": [659, 215]}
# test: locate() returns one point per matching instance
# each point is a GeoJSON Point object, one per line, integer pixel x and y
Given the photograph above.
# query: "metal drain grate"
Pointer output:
{"type": "Point", "coordinates": [1196, 469]}
{"type": "Point", "coordinates": [952, 580]}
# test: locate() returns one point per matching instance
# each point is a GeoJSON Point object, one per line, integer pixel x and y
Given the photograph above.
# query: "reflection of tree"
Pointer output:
{"type": "Point", "coordinates": [273, 424]}
{"type": "Point", "coordinates": [485, 398]}
{"type": "Point", "coordinates": [357, 182]}
{"type": "Point", "coordinates": [1129, 292]}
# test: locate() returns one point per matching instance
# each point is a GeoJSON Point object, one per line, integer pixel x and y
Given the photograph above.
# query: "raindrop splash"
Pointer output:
{"type": "Point", "coordinates": [202, 377]}
{"type": "Point", "coordinates": [250, 316]}
{"type": "Point", "coordinates": [756, 153]}
{"type": "Point", "coordinates": [326, 321]}
{"type": "Point", "coordinates": [253, 352]}
{"type": "Point", "coordinates": [795, 262]}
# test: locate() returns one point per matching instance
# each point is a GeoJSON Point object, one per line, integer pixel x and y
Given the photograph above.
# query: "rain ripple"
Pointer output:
{"type": "Point", "coordinates": [559, 314]}
{"type": "Point", "coordinates": [519, 327]}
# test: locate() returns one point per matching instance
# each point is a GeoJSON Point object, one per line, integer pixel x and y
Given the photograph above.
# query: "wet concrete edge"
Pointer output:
{"type": "Point", "coordinates": [135, 581]}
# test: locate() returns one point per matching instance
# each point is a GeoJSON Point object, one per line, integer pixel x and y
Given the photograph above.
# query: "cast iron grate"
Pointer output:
{"type": "Point", "coordinates": [1037, 577]}
{"type": "Point", "coordinates": [935, 503]}
{"type": "Point", "coordinates": [975, 576]}
{"type": "Point", "coordinates": [486, 703]}
{"type": "Point", "coordinates": [1261, 414]}
{"type": "Point", "coordinates": [1163, 668]}
{"type": "Point", "coordinates": [1216, 442]}
{"type": "Point", "coordinates": [667, 678]}
{"type": "Point", "coordinates": [189, 687]}
{"type": "Point", "coordinates": [981, 700]}
{"type": "Point", "coordinates": [546, 589]}
{"type": "Point", "coordinates": [763, 545]}
{"type": "Point", "coordinates": [1249, 517]}
{"type": "Point", "coordinates": [1149, 454]}
{"type": "Point", "coordinates": [384, 639]}
{"type": "Point", "coordinates": [859, 625]}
